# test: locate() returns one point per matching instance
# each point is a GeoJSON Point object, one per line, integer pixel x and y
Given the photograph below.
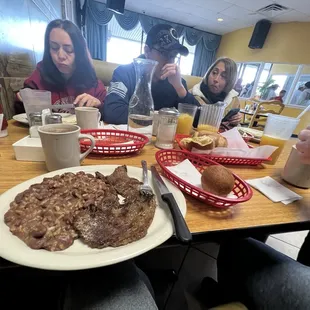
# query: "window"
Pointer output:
{"type": "Point", "coordinates": [123, 46]}
{"type": "Point", "coordinates": [301, 96]}
{"type": "Point", "coordinates": [186, 63]}
{"type": "Point", "coordinates": [248, 73]}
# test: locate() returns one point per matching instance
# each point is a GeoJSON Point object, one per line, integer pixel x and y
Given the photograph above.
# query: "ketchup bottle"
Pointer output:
{"type": "Point", "coordinates": [4, 130]}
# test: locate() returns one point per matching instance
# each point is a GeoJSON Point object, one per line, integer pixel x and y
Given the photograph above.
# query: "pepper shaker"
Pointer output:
{"type": "Point", "coordinates": [167, 126]}
{"type": "Point", "coordinates": [53, 119]}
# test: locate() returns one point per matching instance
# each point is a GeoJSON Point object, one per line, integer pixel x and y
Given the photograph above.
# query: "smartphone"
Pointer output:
{"type": "Point", "coordinates": [230, 114]}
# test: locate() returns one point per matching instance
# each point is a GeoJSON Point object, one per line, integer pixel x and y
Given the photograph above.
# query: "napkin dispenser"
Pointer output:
{"type": "Point", "coordinates": [29, 149]}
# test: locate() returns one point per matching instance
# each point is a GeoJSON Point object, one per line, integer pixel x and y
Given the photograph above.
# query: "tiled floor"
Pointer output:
{"type": "Point", "coordinates": [200, 262]}
{"type": "Point", "coordinates": [288, 243]}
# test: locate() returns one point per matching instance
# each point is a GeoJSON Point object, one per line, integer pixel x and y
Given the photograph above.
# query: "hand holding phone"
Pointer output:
{"type": "Point", "coordinates": [230, 114]}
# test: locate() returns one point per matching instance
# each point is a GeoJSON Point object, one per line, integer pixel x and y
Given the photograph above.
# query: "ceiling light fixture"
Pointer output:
{"type": "Point", "coordinates": [220, 19]}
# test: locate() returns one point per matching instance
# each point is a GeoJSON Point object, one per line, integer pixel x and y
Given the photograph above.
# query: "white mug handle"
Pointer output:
{"type": "Point", "coordinates": [99, 116]}
{"type": "Point", "coordinates": [93, 142]}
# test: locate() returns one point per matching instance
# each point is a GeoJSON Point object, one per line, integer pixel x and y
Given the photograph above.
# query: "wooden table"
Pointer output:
{"type": "Point", "coordinates": [259, 215]}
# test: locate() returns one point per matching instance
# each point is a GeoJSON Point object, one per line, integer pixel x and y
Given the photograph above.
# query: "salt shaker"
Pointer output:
{"type": "Point", "coordinates": [35, 120]}
{"type": "Point", "coordinates": [167, 126]}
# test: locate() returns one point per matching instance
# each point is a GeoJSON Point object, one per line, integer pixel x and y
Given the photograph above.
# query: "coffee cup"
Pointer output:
{"type": "Point", "coordinates": [295, 172]}
{"type": "Point", "coordinates": [61, 145]}
{"type": "Point", "coordinates": [87, 117]}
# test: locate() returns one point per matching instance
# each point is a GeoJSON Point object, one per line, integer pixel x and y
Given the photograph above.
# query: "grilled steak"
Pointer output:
{"type": "Point", "coordinates": [49, 215]}
{"type": "Point", "coordinates": [120, 223]}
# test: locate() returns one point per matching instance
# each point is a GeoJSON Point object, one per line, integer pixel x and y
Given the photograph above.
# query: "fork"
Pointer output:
{"type": "Point", "coordinates": [145, 188]}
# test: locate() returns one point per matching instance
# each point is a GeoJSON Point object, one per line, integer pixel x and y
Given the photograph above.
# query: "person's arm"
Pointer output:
{"type": "Point", "coordinates": [88, 100]}
{"type": "Point", "coordinates": [173, 74]}
{"type": "Point", "coordinates": [188, 98]}
{"type": "Point", "coordinates": [115, 107]}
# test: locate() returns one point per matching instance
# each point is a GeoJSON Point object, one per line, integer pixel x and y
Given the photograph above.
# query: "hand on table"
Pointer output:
{"type": "Point", "coordinates": [303, 146]}
{"type": "Point", "coordinates": [172, 72]}
{"type": "Point", "coordinates": [236, 119]}
{"type": "Point", "coordinates": [86, 100]}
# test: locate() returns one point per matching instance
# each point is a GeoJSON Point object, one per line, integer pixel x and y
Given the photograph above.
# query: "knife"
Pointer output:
{"type": "Point", "coordinates": [181, 230]}
{"type": "Point", "coordinates": [62, 106]}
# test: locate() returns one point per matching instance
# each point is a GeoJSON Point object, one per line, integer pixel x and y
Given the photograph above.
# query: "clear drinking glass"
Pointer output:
{"type": "Point", "coordinates": [277, 131]}
{"type": "Point", "coordinates": [168, 120]}
{"type": "Point", "coordinates": [211, 116]}
{"type": "Point", "coordinates": [186, 118]}
{"type": "Point", "coordinates": [141, 105]}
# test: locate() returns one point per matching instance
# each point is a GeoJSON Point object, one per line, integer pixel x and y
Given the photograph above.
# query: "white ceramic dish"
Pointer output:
{"type": "Point", "coordinates": [79, 255]}
{"type": "Point", "coordinates": [67, 118]}
{"type": "Point", "coordinates": [29, 149]}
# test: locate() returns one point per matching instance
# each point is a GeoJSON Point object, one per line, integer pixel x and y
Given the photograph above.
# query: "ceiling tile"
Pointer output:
{"type": "Point", "coordinates": [250, 4]}
{"type": "Point", "coordinates": [292, 16]}
{"type": "Point", "coordinates": [203, 14]}
{"type": "Point", "coordinates": [213, 5]}
{"type": "Point", "coordinates": [298, 5]}
{"type": "Point", "coordinates": [199, 12]}
{"type": "Point", "coordinates": [242, 14]}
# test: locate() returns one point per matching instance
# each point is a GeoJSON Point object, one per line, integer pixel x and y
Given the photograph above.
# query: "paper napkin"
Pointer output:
{"type": "Point", "coordinates": [187, 171]}
{"type": "Point", "coordinates": [274, 190]}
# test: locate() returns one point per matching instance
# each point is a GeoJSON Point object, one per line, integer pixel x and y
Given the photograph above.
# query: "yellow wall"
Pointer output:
{"type": "Point", "coordinates": [285, 43]}
{"type": "Point", "coordinates": [284, 69]}
{"type": "Point", "coordinates": [288, 69]}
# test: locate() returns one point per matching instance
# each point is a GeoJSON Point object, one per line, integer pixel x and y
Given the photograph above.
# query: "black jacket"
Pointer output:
{"type": "Point", "coordinates": [115, 107]}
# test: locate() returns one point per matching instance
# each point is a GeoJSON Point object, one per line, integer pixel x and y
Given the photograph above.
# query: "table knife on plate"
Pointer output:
{"type": "Point", "coordinates": [181, 230]}
{"type": "Point", "coordinates": [62, 106]}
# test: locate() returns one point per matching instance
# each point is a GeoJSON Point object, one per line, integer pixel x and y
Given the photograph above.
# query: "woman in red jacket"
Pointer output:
{"type": "Point", "coordinates": [66, 69]}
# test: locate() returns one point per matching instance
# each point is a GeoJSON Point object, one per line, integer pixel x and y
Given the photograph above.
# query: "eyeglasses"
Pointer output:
{"type": "Point", "coordinates": [171, 55]}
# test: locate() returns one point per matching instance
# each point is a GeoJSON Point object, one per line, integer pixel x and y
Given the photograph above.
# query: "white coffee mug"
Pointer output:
{"type": "Point", "coordinates": [61, 145]}
{"type": "Point", "coordinates": [87, 117]}
{"type": "Point", "coordinates": [295, 172]}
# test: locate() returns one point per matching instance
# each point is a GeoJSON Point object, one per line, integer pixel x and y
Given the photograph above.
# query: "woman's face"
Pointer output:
{"type": "Point", "coordinates": [217, 78]}
{"type": "Point", "coordinates": [62, 51]}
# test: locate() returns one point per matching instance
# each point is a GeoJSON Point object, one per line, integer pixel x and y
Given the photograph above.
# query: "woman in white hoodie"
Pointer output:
{"type": "Point", "coordinates": [217, 85]}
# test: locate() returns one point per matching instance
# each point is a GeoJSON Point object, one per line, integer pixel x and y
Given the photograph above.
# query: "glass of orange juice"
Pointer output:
{"type": "Point", "coordinates": [277, 131]}
{"type": "Point", "coordinates": [186, 118]}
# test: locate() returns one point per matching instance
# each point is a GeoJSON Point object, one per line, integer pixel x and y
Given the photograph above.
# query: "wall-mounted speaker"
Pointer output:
{"type": "Point", "coordinates": [117, 6]}
{"type": "Point", "coordinates": [260, 33]}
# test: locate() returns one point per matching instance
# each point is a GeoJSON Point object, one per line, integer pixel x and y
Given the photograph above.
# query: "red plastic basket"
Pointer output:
{"type": "Point", "coordinates": [165, 158]}
{"type": "Point", "coordinates": [112, 142]}
{"type": "Point", "coordinates": [225, 160]}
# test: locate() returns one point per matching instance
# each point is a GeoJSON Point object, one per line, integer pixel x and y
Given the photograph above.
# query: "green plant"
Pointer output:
{"type": "Point", "coordinates": [265, 87]}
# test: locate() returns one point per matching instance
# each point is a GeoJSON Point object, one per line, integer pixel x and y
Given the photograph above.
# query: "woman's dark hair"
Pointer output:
{"type": "Point", "coordinates": [84, 75]}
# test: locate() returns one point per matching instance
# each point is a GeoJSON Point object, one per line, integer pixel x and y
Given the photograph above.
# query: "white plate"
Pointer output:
{"type": "Point", "coordinates": [79, 255]}
{"type": "Point", "coordinates": [66, 118]}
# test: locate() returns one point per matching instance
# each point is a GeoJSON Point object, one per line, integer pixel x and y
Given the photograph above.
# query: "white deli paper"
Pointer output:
{"type": "Point", "coordinates": [113, 127]}
{"type": "Point", "coordinates": [273, 190]}
{"type": "Point", "coordinates": [238, 148]}
{"type": "Point", "coordinates": [188, 172]}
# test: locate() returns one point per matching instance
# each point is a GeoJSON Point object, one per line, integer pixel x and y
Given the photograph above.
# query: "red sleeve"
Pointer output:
{"type": "Point", "coordinates": [100, 92]}
{"type": "Point", "coordinates": [34, 80]}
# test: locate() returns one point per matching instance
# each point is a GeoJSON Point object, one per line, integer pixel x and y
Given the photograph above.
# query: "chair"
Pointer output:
{"type": "Point", "coordinates": [272, 106]}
